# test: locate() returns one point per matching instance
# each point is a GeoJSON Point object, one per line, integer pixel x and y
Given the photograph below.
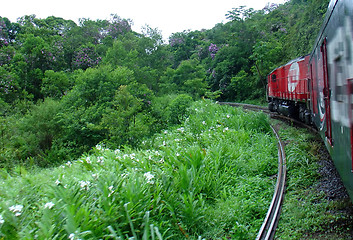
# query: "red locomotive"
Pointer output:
{"type": "Point", "coordinates": [318, 88]}
{"type": "Point", "coordinates": [288, 89]}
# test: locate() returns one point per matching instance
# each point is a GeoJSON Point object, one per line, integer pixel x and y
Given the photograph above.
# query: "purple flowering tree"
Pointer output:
{"type": "Point", "coordinates": [6, 55]}
{"type": "Point", "coordinates": [4, 38]}
{"type": "Point", "coordinates": [85, 57]}
{"type": "Point", "coordinates": [118, 26]}
{"type": "Point", "coordinates": [8, 85]}
{"type": "Point", "coordinates": [213, 49]}
{"type": "Point", "coordinates": [176, 41]}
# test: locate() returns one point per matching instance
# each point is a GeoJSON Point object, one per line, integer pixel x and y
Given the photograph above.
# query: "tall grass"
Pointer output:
{"type": "Point", "coordinates": [210, 177]}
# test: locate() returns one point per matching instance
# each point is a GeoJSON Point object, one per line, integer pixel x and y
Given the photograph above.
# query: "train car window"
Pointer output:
{"type": "Point", "coordinates": [273, 77]}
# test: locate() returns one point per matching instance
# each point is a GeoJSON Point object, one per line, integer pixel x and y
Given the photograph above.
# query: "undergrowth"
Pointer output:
{"type": "Point", "coordinates": [306, 211]}
{"type": "Point", "coordinates": [210, 177]}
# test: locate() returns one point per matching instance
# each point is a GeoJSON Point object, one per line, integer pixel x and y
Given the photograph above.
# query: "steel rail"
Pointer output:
{"type": "Point", "coordinates": [268, 228]}
{"type": "Point", "coordinates": [269, 225]}
{"type": "Point", "coordinates": [273, 115]}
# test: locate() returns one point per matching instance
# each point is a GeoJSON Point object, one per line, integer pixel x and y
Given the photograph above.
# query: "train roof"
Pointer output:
{"type": "Point", "coordinates": [290, 62]}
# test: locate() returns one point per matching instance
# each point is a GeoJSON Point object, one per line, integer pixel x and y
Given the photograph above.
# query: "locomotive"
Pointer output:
{"type": "Point", "coordinates": [318, 88]}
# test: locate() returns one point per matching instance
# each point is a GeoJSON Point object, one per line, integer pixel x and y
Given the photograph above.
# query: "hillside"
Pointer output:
{"type": "Point", "coordinates": [66, 87]}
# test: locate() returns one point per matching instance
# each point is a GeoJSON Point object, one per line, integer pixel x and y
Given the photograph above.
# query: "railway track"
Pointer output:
{"type": "Point", "coordinates": [268, 228]}
{"type": "Point", "coordinates": [273, 115]}
{"type": "Point", "coordinates": [269, 225]}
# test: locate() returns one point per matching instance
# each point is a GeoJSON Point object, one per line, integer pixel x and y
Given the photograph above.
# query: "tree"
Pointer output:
{"type": "Point", "coordinates": [55, 84]}
{"type": "Point", "coordinates": [189, 77]}
{"type": "Point", "coordinates": [121, 116]}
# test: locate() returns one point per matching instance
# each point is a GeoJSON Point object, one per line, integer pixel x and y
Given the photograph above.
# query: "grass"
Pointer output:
{"type": "Point", "coordinates": [210, 177]}
{"type": "Point", "coordinates": [306, 213]}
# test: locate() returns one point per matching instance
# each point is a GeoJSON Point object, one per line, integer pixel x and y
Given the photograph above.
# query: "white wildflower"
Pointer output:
{"type": "Point", "coordinates": [49, 205]}
{"type": "Point", "coordinates": [164, 144]}
{"type": "Point", "coordinates": [85, 184]}
{"type": "Point", "coordinates": [57, 182]}
{"type": "Point", "coordinates": [68, 164]}
{"type": "Point", "coordinates": [117, 151]}
{"type": "Point", "coordinates": [149, 157]}
{"type": "Point", "coordinates": [177, 154]}
{"type": "Point", "coordinates": [203, 122]}
{"type": "Point", "coordinates": [111, 190]}
{"type": "Point", "coordinates": [228, 116]}
{"type": "Point", "coordinates": [88, 160]}
{"type": "Point", "coordinates": [162, 160]}
{"type": "Point", "coordinates": [124, 175]}
{"type": "Point", "coordinates": [149, 177]}
{"type": "Point", "coordinates": [17, 209]}
{"type": "Point", "coordinates": [225, 129]}
{"type": "Point", "coordinates": [1, 219]}
{"type": "Point", "coordinates": [100, 159]}
{"type": "Point", "coordinates": [165, 132]}
{"type": "Point", "coordinates": [181, 130]}
{"type": "Point", "coordinates": [99, 147]}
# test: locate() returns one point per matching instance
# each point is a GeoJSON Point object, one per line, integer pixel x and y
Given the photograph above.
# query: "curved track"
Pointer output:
{"type": "Point", "coordinates": [273, 115]}
{"type": "Point", "coordinates": [268, 228]}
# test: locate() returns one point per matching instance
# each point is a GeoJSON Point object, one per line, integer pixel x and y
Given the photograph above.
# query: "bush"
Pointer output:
{"type": "Point", "coordinates": [30, 138]}
{"type": "Point", "coordinates": [177, 109]}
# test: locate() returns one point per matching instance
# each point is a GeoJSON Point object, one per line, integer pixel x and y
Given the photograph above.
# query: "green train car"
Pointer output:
{"type": "Point", "coordinates": [330, 73]}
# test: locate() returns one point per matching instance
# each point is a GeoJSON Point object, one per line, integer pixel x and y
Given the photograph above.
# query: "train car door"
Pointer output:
{"type": "Point", "coordinates": [350, 108]}
{"type": "Point", "coordinates": [326, 92]}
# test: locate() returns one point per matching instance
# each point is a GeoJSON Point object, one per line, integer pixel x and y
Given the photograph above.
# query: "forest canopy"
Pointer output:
{"type": "Point", "coordinates": [65, 87]}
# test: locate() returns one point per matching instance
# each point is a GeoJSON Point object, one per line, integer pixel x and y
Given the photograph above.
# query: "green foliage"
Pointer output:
{"type": "Point", "coordinates": [98, 85]}
{"type": "Point", "coordinates": [9, 89]}
{"type": "Point", "coordinates": [64, 88]}
{"type": "Point", "coordinates": [87, 70]}
{"type": "Point", "coordinates": [189, 78]}
{"type": "Point", "coordinates": [31, 139]}
{"type": "Point", "coordinates": [55, 84]}
{"type": "Point", "coordinates": [192, 180]}
{"type": "Point", "coordinates": [306, 211]}
{"type": "Point", "coordinates": [177, 108]}
{"type": "Point", "coordinates": [119, 118]}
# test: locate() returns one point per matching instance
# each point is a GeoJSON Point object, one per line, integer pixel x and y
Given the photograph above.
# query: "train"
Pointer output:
{"type": "Point", "coordinates": [318, 88]}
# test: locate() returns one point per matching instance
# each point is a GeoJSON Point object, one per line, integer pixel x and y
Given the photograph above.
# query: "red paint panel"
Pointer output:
{"type": "Point", "coordinates": [290, 81]}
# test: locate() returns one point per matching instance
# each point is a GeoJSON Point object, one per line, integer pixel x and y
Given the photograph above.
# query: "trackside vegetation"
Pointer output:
{"type": "Point", "coordinates": [106, 133]}
{"type": "Point", "coordinates": [210, 177]}
{"type": "Point", "coordinates": [309, 212]}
